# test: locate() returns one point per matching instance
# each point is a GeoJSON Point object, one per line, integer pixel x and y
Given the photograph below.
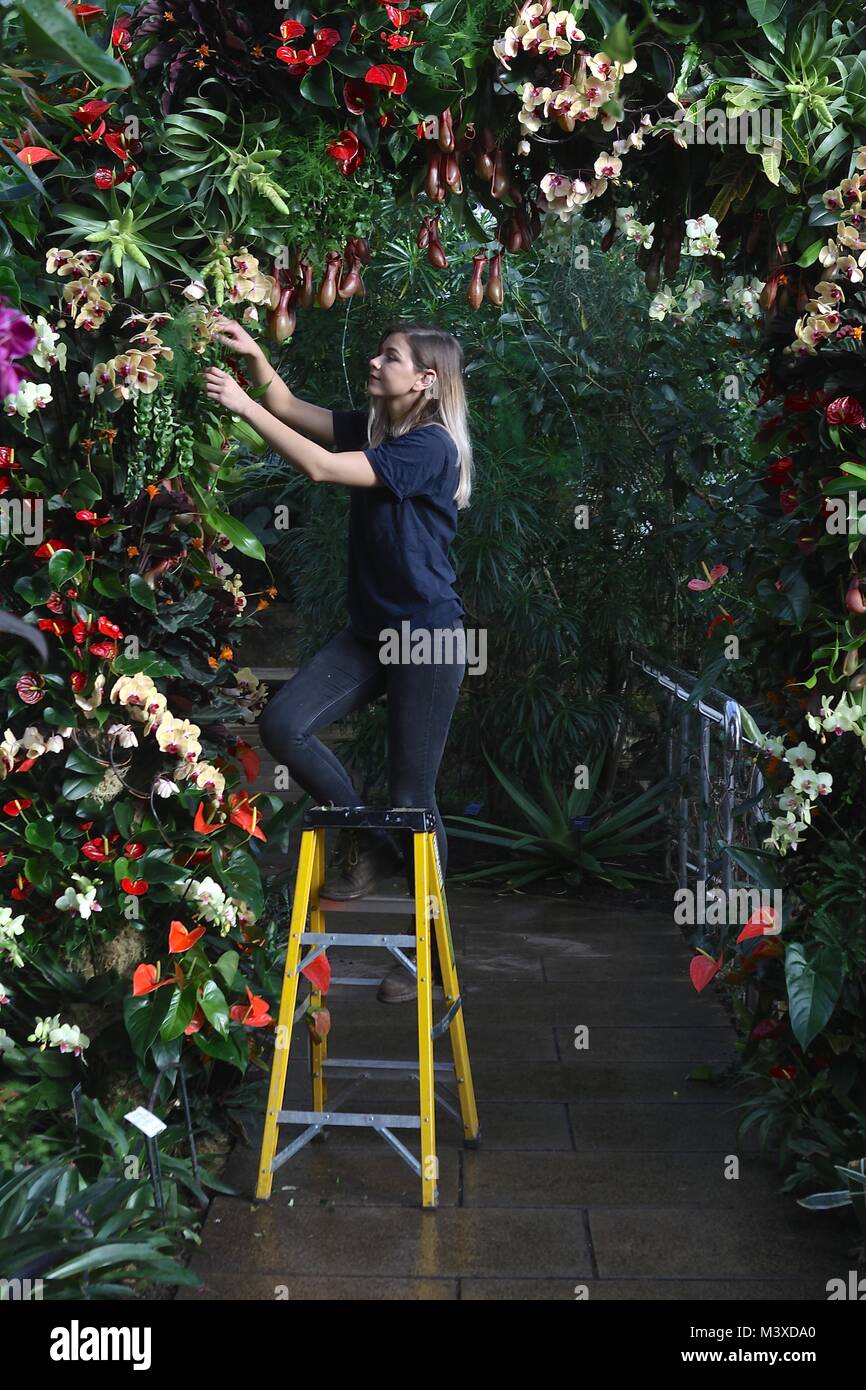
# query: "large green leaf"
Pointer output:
{"type": "Point", "coordinates": [239, 535]}
{"type": "Point", "coordinates": [813, 989]}
{"type": "Point", "coordinates": [53, 33]}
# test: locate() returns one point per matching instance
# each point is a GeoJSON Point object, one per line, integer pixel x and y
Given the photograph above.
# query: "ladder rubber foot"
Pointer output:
{"type": "Point", "coordinates": [473, 1143]}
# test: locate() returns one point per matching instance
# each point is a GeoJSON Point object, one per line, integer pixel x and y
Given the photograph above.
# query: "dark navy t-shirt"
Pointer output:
{"type": "Point", "coordinates": [400, 533]}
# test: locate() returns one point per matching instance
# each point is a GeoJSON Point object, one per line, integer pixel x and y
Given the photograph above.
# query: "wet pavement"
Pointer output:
{"type": "Point", "coordinates": [604, 1171]}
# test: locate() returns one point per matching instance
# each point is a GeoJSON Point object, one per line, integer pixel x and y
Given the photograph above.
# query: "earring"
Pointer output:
{"type": "Point", "coordinates": [431, 392]}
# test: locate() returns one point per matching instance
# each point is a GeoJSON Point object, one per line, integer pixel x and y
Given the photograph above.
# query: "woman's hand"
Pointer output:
{"type": "Point", "coordinates": [236, 337]}
{"type": "Point", "coordinates": [225, 391]}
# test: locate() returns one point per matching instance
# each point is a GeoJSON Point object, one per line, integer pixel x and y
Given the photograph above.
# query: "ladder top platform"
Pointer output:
{"type": "Point", "coordinates": [414, 818]}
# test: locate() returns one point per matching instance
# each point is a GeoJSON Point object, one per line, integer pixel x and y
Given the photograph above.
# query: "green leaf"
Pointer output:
{"type": "Point", "coordinates": [242, 878]}
{"type": "Point", "coordinates": [766, 11]}
{"type": "Point", "coordinates": [813, 989]}
{"type": "Point", "coordinates": [318, 85]}
{"type": "Point", "coordinates": [434, 60]}
{"type": "Point", "coordinates": [618, 42]}
{"type": "Point", "coordinates": [141, 592]}
{"type": "Point", "coordinates": [812, 252]}
{"type": "Point", "coordinates": [181, 1007]}
{"type": "Point", "coordinates": [53, 33]}
{"type": "Point", "coordinates": [227, 965]}
{"type": "Point", "coordinates": [214, 1007]}
{"type": "Point", "coordinates": [239, 535]}
{"type": "Point", "coordinates": [63, 566]}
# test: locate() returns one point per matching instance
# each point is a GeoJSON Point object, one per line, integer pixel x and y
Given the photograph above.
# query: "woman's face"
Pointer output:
{"type": "Point", "coordinates": [392, 371]}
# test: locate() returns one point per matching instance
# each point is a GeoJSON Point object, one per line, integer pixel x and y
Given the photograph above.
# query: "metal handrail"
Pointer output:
{"type": "Point", "coordinates": [717, 709]}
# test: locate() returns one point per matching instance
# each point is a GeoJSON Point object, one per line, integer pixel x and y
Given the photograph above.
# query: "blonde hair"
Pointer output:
{"type": "Point", "coordinates": [431, 347]}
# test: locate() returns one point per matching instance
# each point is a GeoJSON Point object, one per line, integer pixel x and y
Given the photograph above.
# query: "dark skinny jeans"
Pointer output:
{"type": "Point", "coordinates": [343, 676]}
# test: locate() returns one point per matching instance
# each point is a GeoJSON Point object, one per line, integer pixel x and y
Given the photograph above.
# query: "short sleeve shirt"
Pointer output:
{"type": "Point", "coordinates": [400, 532]}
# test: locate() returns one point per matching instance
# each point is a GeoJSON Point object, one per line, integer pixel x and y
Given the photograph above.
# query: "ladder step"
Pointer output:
{"type": "Point", "coordinates": [380, 1064]}
{"type": "Point", "coordinates": [348, 938]}
{"type": "Point", "coordinates": [383, 903]}
{"type": "Point", "coordinates": [415, 818]}
{"type": "Point", "coordinates": [339, 1117]}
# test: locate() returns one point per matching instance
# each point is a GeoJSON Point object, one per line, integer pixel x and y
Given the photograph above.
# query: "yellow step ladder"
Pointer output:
{"type": "Point", "coordinates": [430, 909]}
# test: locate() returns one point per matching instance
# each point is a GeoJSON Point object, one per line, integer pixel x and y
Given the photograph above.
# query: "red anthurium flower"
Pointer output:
{"type": "Point", "coordinates": [202, 826]}
{"type": "Point", "coordinates": [347, 150]}
{"type": "Point", "coordinates": [55, 602]}
{"type": "Point", "coordinates": [49, 548]}
{"type": "Point", "coordinates": [15, 807]}
{"type": "Point", "coordinates": [714, 575]}
{"type": "Point", "coordinates": [788, 500]}
{"type": "Point", "coordinates": [291, 56]}
{"type": "Point", "coordinates": [767, 1028]}
{"type": "Point", "coordinates": [780, 470]}
{"type": "Point", "coordinates": [23, 888]}
{"type": "Point", "coordinates": [180, 939]}
{"type": "Point", "coordinates": [797, 402]}
{"type": "Point", "coordinates": [195, 1022]}
{"type": "Point", "coordinates": [807, 540]}
{"type": "Point", "coordinates": [7, 457]}
{"type": "Point", "coordinates": [31, 688]}
{"type": "Point", "coordinates": [5, 483]}
{"type": "Point", "coordinates": [137, 886]}
{"type": "Point", "coordinates": [85, 12]}
{"type": "Point", "coordinates": [702, 969]}
{"type": "Point", "coordinates": [97, 850]}
{"type": "Point", "coordinates": [318, 972]}
{"type": "Point", "coordinates": [783, 1073]}
{"type": "Point", "coordinates": [763, 922]}
{"type": "Point", "coordinates": [388, 75]}
{"type": "Point", "coordinates": [719, 618]}
{"type": "Point", "coordinates": [249, 759]}
{"type": "Point", "coordinates": [386, 119]}
{"type": "Point", "coordinates": [78, 681]}
{"type": "Point", "coordinates": [35, 154]}
{"type": "Point", "coordinates": [134, 849]}
{"type": "Point", "coordinates": [2, 858]}
{"type": "Point", "coordinates": [91, 518]}
{"type": "Point", "coordinates": [108, 650]}
{"type": "Point", "coordinates": [292, 29]}
{"type": "Point", "coordinates": [146, 979]}
{"type": "Point", "coordinates": [357, 96]}
{"type": "Point", "coordinates": [108, 628]}
{"type": "Point", "coordinates": [91, 112]}
{"type": "Point", "coordinates": [245, 814]}
{"type": "Point", "coordinates": [845, 410]}
{"type": "Point", "coordinates": [252, 1015]}
{"type": "Point", "coordinates": [329, 37]}
{"type": "Point", "coordinates": [398, 17]}
{"type": "Point", "coordinates": [120, 34]}
{"type": "Point", "coordinates": [59, 626]}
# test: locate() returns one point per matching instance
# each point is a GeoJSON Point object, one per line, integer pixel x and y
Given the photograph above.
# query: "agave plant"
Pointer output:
{"type": "Point", "coordinates": [566, 836]}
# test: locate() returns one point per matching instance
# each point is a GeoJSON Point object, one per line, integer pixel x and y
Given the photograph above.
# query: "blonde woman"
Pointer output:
{"type": "Point", "coordinates": [408, 462]}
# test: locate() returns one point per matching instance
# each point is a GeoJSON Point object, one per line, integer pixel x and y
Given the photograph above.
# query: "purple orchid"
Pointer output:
{"type": "Point", "coordinates": [17, 339]}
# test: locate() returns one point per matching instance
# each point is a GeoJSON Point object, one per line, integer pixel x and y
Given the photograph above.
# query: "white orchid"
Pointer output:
{"type": "Point", "coordinates": [82, 901]}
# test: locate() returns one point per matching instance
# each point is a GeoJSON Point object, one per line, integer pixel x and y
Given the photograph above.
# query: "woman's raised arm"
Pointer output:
{"type": "Point", "coordinates": [315, 421]}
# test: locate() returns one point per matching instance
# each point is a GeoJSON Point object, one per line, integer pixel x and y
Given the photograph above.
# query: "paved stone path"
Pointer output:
{"type": "Point", "coordinates": [601, 1172]}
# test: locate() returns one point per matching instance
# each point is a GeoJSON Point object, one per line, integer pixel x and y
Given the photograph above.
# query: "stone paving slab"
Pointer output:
{"type": "Point", "coordinates": [601, 1167]}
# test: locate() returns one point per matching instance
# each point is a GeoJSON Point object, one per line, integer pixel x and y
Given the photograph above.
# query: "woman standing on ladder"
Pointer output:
{"type": "Point", "coordinates": [408, 462]}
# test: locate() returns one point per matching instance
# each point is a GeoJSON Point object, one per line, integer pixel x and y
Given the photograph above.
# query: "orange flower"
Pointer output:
{"type": "Point", "coordinates": [252, 1015]}
{"type": "Point", "coordinates": [226, 654]}
{"type": "Point", "coordinates": [203, 826]}
{"type": "Point", "coordinates": [151, 489]}
{"type": "Point", "coordinates": [245, 814]}
{"type": "Point", "coordinates": [146, 979]}
{"type": "Point", "coordinates": [195, 1022]}
{"type": "Point", "coordinates": [180, 939]}
{"type": "Point", "coordinates": [132, 551]}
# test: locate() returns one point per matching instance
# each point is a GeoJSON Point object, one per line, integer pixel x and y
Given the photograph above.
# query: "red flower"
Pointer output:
{"type": "Point", "coordinates": [702, 969]}
{"type": "Point", "coordinates": [14, 808]}
{"type": "Point", "coordinates": [35, 154]}
{"type": "Point", "coordinates": [97, 850]}
{"type": "Point", "coordinates": [180, 939]}
{"type": "Point", "coordinates": [328, 37]}
{"type": "Point", "coordinates": [85, 12]}
{"type": "Point", "coordinates": [78, 681]}
{"type": "Point", "coordinates": [796, 402]}
{"type": "Point", "coordinates": [146, 979]}
{"type": "Point", "coordinates": [783, 1073]}
{"type": "Point", "coordinates": [23, 888]}
{"type": "Point", "coordinates": [134, 849]}
{"type": "Point", "coordinates": [767, 1028]}
{"type": "Point", "coordinates": [292, 29]}
{"type": "Point", "coordinates": [318, 972]}
{"type": "Point", "coordinates": [719, 618]}
{"type": "Point", "coordinates": [107, 650]}
{"type": "Point", "coordinates": [108, 628]}
{"type": "Point", "coordinates": [388, 75]}
{"type": "Point", "coordinates": [30, 688]}
{"type": "Point", "coordinates": [59, 626]}
{"type": "Point", "coordinates": [248, 758]}
{"type": "Point", "coordinates": [91, 112]}
{"type": "Point", "coordinates": [245, 814]}
{"type": "Point", "coordinates": [779, 471]}
{"type": "Point", "coordinates": [136, 887]}
{"type": "Point", "coordinates": [91, 518]}
{"type": "Point", "coordinates": [398, 17]}
{"type": "Point", "coordinates": [202, 826]}
{"type": "Point", "coordinates": [788, 500]}
{"type": "Point", "coordinates": [49, 548]}
{"type": "Point", "coordinates": [845, 410]}
{"type": "Point", "coordinates": [357, 96]}
{"type": "Point", "coordinates": [347, 151]}
{"type": "Point", "coordinates": [252, 1015]}
{"type": "Point", "coordinates": [195, 1022]}
{"type": "Point", "coordinates": [120, 34]}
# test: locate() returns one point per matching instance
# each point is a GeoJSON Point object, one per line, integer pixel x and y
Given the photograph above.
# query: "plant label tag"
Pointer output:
{"type": "Point", "coordinates": [146, 1121]}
